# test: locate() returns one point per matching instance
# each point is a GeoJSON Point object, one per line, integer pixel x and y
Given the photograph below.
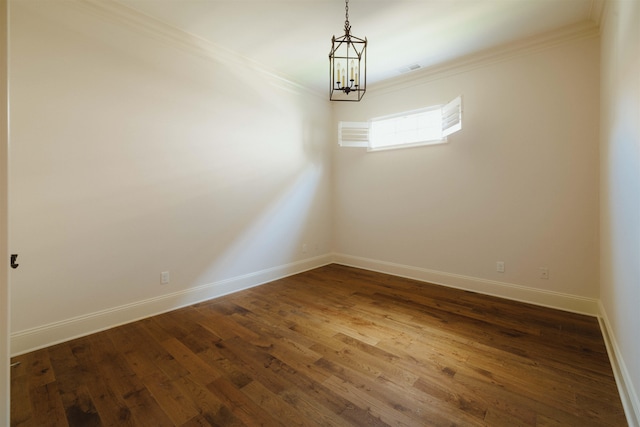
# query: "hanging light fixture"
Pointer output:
{"type": "Point", "coordinates": [348, 65]}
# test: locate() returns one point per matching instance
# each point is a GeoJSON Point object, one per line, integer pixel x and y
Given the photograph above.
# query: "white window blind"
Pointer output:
{"type": "Point", "coordinates": [452, 117]}
{"type": "Point", "coordinates": [425, 126]}
{"type": "Point", "coordinates": [353, 134]}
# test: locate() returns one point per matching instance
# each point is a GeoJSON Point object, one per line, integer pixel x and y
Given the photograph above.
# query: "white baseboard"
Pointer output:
{"type": "Point", "coordinates": [557, 300]}
{"type": "Point", "coordinates": [65, 330]}
{"type": "Point", "coordinates": [628, 395]}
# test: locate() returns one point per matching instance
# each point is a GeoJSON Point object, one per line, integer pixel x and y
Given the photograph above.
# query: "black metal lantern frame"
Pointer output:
{"type": "Point", "coordinates": [348, 65]}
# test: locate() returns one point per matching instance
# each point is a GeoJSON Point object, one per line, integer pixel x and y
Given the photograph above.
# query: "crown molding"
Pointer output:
{"type": "Point", "coordinates": [136, 21]}
{"type": "Point", "coordinates": [141, 23]}
{"type": "Point", "coordinates": [583, 30]}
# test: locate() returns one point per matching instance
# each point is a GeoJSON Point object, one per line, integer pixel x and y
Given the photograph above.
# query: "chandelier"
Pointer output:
{"type": "Point", "coordinates": [347, 65]}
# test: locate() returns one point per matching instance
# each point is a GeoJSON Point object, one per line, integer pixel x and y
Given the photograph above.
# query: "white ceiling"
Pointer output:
{"type": "Point", "coordinates": [293, 37]}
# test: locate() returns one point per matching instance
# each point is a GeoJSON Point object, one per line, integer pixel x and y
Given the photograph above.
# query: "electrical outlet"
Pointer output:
{"type": "Point", "coordinates": [544, 273]}
{"type": "Point", "coordinates": [164, 277]}
{"type": "Point", "coordinates": [304, 248]}
{"type": "Point", "coordinates": [500, 266]}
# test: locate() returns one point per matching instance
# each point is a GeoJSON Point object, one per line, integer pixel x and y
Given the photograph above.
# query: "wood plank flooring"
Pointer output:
{"type": "Point", "coordinates": [335, 346]}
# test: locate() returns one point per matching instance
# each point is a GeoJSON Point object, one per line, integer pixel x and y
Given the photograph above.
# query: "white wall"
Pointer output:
{"type": "Point", "coordinates": [136, 150]}
{"type": "Point", "coordinates": [620, 189]}
{"type": "Point", "coordinates": [518, 184]}
{"type": "Point", "coordinates": [4, 250]}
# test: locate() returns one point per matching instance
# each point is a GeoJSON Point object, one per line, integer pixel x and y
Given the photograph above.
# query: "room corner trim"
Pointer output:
{"type": "Point", "coordinates": [65, 330]}
{"type": "Point", "coordinates": [557, 300]}
{"type": "Point", "coordinates": [628, 396]}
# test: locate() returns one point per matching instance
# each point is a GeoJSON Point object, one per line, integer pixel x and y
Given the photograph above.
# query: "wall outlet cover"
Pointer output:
{"type": "Point", "coordinates": [164, 277]}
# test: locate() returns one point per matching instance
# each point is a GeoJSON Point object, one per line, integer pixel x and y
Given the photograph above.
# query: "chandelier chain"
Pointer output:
{"type": "Point", "coordinates": [346, 14]}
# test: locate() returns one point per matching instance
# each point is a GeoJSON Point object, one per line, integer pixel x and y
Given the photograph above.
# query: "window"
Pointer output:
{"type": "Point", "coordinates": [426, 126]}
{"type": "Point", "coordinates": [407, 129]}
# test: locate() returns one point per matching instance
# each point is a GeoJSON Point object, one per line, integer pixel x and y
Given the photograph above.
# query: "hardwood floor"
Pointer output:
{"type": "Point", "coordinates": [335, 346]}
